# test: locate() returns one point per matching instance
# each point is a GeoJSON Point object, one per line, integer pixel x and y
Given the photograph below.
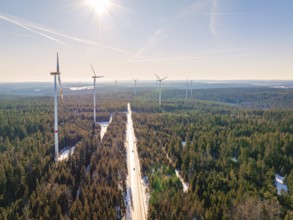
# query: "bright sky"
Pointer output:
{"type": "Point", "coordinates": [126, 39]}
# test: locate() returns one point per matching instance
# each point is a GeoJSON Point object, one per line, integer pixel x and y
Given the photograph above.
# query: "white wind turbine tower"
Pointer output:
{"type": "Point", "coordinates": [115, 81]}
{"type": "Point", "coordinates": [191, 88]}
{"type": "Point", "coordinates": [135, 80]}
{"type": "Point", "coordinates": [160, 87]}
{"type": "Point", "coordinates": [55, 74]}
{"type": "Point", "coordinates": [95, 77]}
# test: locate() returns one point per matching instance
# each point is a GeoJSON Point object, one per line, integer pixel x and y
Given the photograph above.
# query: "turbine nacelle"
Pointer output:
{"type": "Point", "coordinates": [55, 73]}
{"type": "Point", "coordinates": [95, 76]}
{"type": "Point", "coordinates": [160, 79]}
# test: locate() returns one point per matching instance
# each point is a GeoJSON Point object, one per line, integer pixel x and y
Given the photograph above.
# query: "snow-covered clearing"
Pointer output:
{"type": "Point", "coordinates": [64, 154]}
{"type": "Point", "coordinates": [279, 181]}
{"type": "Point", "coordinates": [104, 125]}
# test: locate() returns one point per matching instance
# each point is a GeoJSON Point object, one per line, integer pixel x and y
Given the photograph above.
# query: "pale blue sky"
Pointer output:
{"type": "Point", "coordinates": [198, 39]}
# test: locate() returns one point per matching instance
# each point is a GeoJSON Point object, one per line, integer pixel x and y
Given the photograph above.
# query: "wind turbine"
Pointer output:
{"type": "Point", "coordinates": [135, 80]}
{"type": "Point", "coordinates": [115, 81]}
{"type": "Point", "coordinates": [95, 77]}
{"type": "Point", "coordinates": [191, 88]}
{"type": "Point", "coordinates": [160, 87]}
{"type": "Point", "coordinates": [55, 74]}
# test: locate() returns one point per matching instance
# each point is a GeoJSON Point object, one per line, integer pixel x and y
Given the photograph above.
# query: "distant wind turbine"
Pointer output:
{"type": "Point", "coordinates": [95, 77]}
{"type": "Point", "coordinates": [186, 90]}
{"type": "Point", "coordinates": [135, 80]}
{"type": "Point", "coordinates": [115, 81]}
{"type": "Point", "coordinates": [191, 88]}
{"type": "Point", "coordinates": [55, 74]}
{"type": "Point", "coordinates": [160, 87]}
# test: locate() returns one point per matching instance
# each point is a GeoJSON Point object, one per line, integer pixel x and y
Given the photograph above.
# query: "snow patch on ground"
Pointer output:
{"type": "Point", "coordinates": [104, 126]}
{"type": "Point", "coordinates": [184, 184]}
{"type": "Point", "coordinates": [81, 88]}
{"type": "Point", "coordinates": [279, 182]}
{"type": "Point", "coordinates": [64, 154]}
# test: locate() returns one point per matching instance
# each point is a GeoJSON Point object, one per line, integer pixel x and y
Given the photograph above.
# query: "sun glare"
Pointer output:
{"type": "Point", "coordinates": [100, 6]}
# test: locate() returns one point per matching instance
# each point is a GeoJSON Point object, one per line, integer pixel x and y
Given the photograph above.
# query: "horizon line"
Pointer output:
{"type": "Point", "coordinates": [145, 80]}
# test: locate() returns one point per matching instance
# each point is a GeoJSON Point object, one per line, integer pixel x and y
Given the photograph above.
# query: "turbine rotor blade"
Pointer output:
{"type": "Point", "coordinates": [60, 86]}
{"type": "Point", "coordinates": [164, 78]}
{"type": "Point", "coordinates": [57, 63]}
{"type": "Point", "coordinates": [157, 77]}
{"type": "Point", "coordinates": [93, 69]}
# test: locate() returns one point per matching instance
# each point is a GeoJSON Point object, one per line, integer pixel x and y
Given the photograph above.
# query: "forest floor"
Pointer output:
{"type": "Point", "coordinates": [134, 180]}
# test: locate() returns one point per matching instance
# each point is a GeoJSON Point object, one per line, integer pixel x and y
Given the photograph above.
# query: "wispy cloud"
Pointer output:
{"type": "Point", "coordinates": [34, 28]}
{"type": "Point", "coordinates": [213, 17]}
{"type": "Point", "coordinates": [191, 9]}
{"type": "Point", "coordinates": [197, 6]}
{"type": "Point", "coordinates": [157, 37]}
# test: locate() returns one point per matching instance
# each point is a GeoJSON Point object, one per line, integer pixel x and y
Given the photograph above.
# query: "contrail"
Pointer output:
{"type": "Point", "coordinates": [30, 29]}
{"type": "Point", "coordinates": [33, 28]}
{"type": "Point", "coordinates": [213, 17]}
{"type": "Point", "coordinates": [152, 41]}
{"type": "Point", "coordinates": [191, 9]}
{"type": "Point", "coordinates": [224, 13]}
{"type": "Point", "coordinates": [85, 41]}
{"type": "Point", "coordinates": [79, 39]}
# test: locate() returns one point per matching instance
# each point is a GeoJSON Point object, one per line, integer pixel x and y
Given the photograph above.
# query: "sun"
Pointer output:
{"type": "Point", "coordinates": [100, 6]}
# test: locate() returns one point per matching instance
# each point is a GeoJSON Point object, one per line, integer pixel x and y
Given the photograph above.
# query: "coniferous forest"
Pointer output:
{"type": "Point", "coordinates": [227, 154]}
{"type": "Point", "coordinates": [229, 158]}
